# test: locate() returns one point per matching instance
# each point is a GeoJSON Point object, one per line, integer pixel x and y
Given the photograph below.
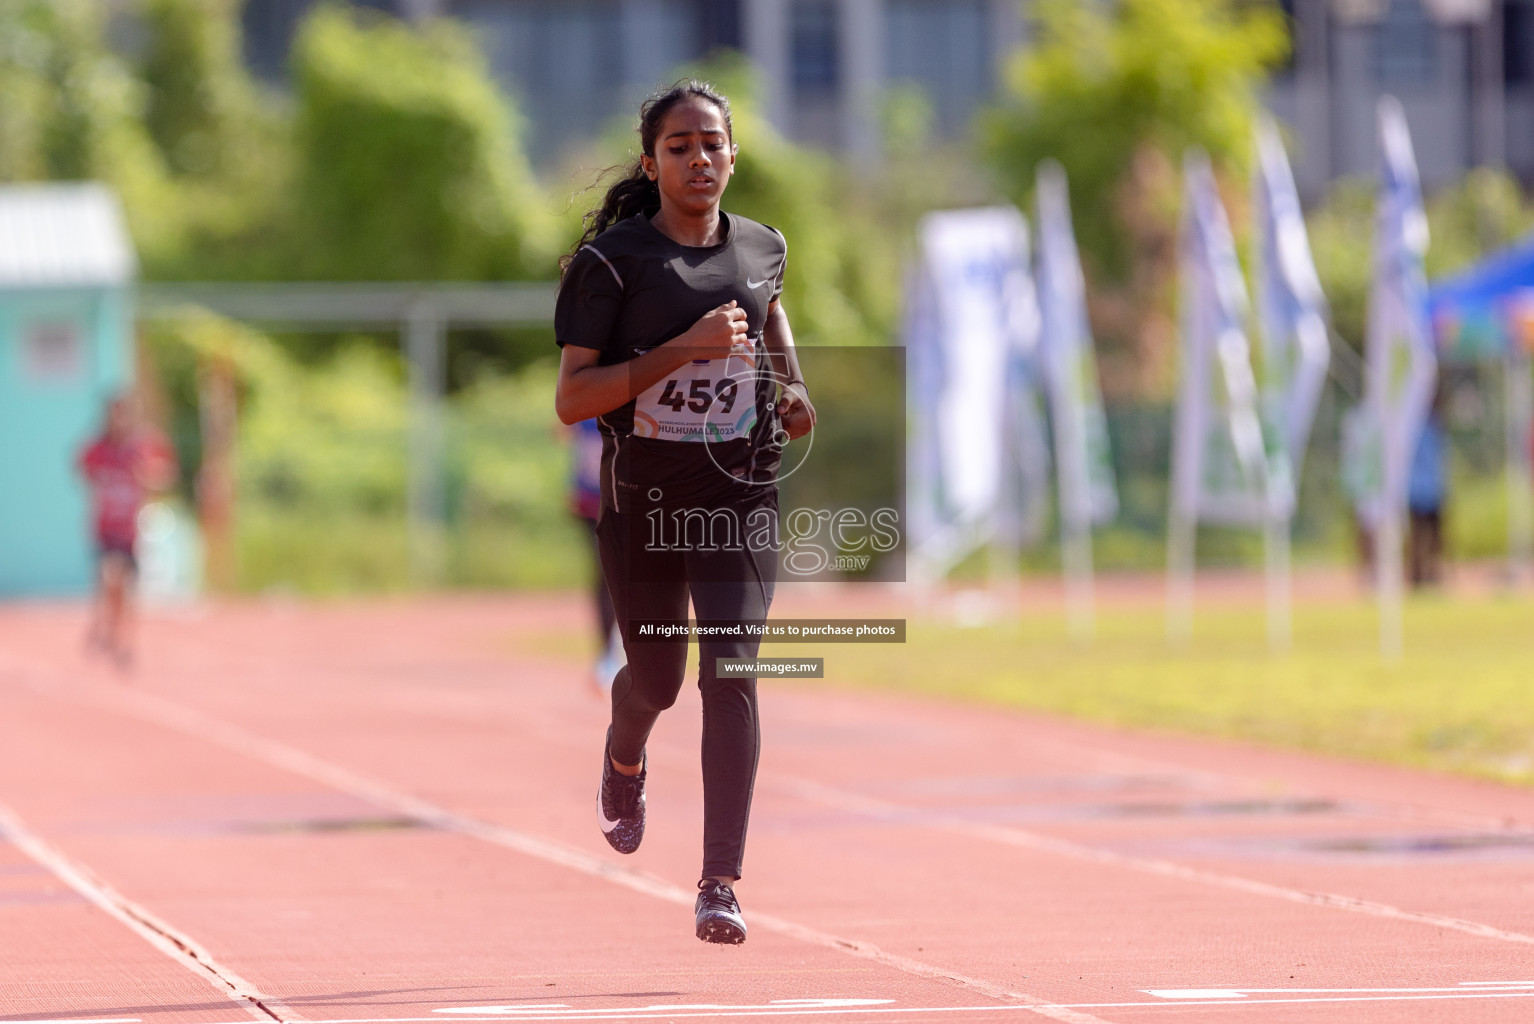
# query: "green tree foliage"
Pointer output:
{"type": "Point", "coordinates": [836, 264]}
{"type": "Point", "coordinates": [843, 257]}
{"type": "Point", "coordinates": [1341, 241]}
{"type": "Point", "coordinates": [225, 144]}
{"type": "Point", "coordinates": [198, 91]}
{"type": "Point", "coordinates": [55, 79]}
{"type": "Point", "coordinates": [68, 108]}
{"type": "Point", "coordinates": [1102, 83]}
{"type": "Point", "coordinates": [396, 159]}
{"type": "Point", "coordinates": [1484, 212]}
{"type": "Point", "coordinates": [74, 110]}
{"type": "Point", "coordinates": [322, 474]}
{"type": "Point", "coordinates": [408, 167]}
{"type": "Point", "coordinates": [1117, 93]}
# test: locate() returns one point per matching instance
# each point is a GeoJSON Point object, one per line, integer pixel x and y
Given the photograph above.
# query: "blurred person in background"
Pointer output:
{"type": "Point", "coordinates": [586, 506]}
{"type": "Point", "coordinates": [1426, 489]}
{"type": "Point", "coordinates": [659, 299]}
{"type": "Point", "coordinates": [128, 460]}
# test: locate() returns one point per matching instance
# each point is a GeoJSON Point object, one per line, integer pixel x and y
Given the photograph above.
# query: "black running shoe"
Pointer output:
{"type": "Point", "coordinates": [719, 917]}
{"type": "Point", "coordinates": [620, 803]}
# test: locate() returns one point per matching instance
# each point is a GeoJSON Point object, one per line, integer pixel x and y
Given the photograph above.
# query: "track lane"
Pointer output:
{"type": "Point", "coordinates": [383, 721]}
{"type": "Point", "coordinates": [292, 870]}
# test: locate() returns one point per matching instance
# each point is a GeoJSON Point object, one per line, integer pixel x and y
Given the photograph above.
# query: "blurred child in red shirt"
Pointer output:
{"type": "Point", "coordinates": [128, 460]}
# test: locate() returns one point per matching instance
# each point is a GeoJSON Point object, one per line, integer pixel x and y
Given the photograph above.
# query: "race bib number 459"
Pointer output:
{"type": "Point", "coordinates": [706, 400]}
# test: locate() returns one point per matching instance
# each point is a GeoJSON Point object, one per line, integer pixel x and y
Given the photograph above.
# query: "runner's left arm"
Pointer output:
{"type": "Point", "coordinates": [794, 407]}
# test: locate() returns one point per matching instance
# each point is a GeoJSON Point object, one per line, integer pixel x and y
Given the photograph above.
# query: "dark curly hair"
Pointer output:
{"type": "Point", "coordinates": [634, 192]}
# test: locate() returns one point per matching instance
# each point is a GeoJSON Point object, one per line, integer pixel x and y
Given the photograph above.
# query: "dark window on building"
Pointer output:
{"type": "Point", "coordinates": [1518, 43]}
{"type": "Point", "coordinates": [561, 63]}
{"type": "Point", "coordinates": [719, 21]}
{"type": "Point", "coordinates": [268, 27]}
{"type": "Point", "coordinates": [1291, 29]}
{"type": "Point", "coordinates": [814, 54]}
{"type": "Point", "coordinates": [1406, 47]}
{"type": "Point", "coordinates": [944, 47]}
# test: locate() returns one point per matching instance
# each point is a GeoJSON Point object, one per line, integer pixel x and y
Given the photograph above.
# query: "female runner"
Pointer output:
{"type": "Point", "coordinates": [672, 335]}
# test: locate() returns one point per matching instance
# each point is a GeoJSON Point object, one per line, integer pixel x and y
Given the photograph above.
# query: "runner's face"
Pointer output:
{"type": "Point", "coordinates": [694, 157]}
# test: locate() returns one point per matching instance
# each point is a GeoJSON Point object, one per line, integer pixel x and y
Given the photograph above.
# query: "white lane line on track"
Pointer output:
{"type": "Point", "coordinates": [513, 1012]}
{"type": "Point", "coordinates": [845, 800]}
{"type": "Point", "coordinates": [839, 799]}
{"type": "Point", "coordinates": [681, 1013]}
{"type": "Point", "coordinates": [151, 929]}
{"type": "Point", "coordinates": [185, 719]}
{"type": "Point", "coordinates": [1231, 992]}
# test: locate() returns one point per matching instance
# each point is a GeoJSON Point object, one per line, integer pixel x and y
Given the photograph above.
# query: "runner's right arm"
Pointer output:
{"type": "Point", "coordinates": [585, 389]}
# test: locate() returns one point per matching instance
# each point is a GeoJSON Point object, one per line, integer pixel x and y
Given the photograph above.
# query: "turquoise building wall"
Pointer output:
{"type": "Point", "coordinates": [52, 403]}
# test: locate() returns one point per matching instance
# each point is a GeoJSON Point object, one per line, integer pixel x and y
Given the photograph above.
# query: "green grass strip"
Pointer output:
{"type": "Point", "coordinates": [1460, 699]}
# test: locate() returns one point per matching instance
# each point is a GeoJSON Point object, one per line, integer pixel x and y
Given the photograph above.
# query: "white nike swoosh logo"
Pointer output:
{"type": "Point", "coordinates": [603, 820]}
{"type": "Point", "coordinates": [757, 284]}
{"type": "Point", "coordinates": [607, 824]}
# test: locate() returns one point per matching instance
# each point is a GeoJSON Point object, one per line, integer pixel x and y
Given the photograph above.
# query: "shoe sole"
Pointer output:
{"type": "Point", "coordinates": [722, 932]}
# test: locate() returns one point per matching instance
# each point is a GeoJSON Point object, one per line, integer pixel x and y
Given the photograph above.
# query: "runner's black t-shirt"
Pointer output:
{"type": "Point", "coordinates": [703, 436]}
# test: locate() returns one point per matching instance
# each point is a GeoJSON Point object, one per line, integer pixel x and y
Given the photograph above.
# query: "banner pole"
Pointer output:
{"type": "Point", "coordinates": [1080, 433]}
{"type": "Point", "coordinates": [1389, 582]}
{"type": "Point", "coordinates": [1080, 600]}
{"type": "Point", "coordinates": [1073, 481]}
{"type": "Point", "coordinates": [1181, 536]}
{"type": "Point", "coordinates": [1188, 433]}
{"type": "Point", "coordinates": [1520, 500]}
{"type": "Point", "coordinates": [425, 344]}
{"type": "Point", "coordinates": [1402, 363]}
{"type": "Point", "coordinates": [1279, 588]}
{"type": "Point", "coordinates": [1388, 570]}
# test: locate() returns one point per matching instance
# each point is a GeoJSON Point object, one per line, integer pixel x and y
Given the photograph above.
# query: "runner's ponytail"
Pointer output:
{"type": "Point", "coordinates": [635, 192]}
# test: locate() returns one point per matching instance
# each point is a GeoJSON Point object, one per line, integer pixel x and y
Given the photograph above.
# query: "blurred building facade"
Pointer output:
{"type": "Point", "coordinates": [576, 65]}
{"type": "Point", "coordinates": [1464, 69]}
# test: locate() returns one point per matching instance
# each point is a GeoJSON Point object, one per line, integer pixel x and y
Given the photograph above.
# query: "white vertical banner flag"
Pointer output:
{"type": "Point", "coordinates": [1083, 463]}
{"type": "Point", "coordinates": [1291, 309]}
{"type": "Point", "coordinates": [976, 457]}
{"type": "Point", "coordinates": [1219, 462]}
{"type": "Point", "coordinates": [1400, 366]}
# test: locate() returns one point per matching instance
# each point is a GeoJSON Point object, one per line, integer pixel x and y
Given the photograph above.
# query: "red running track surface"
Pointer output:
{"type": "Point", "coordinates": [383, 812]}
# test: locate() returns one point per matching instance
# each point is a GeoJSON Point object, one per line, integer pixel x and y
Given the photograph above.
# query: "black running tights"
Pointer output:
{"type": "Point", "coordinates": [730, 584]}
